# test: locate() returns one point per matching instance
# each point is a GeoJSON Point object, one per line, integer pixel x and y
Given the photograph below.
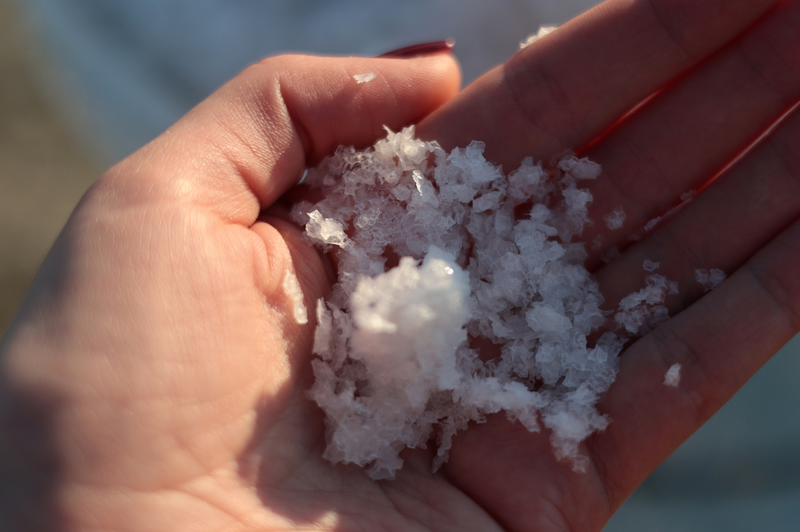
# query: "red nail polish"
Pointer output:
{"type": "Point", "coordinates": [419, 50]}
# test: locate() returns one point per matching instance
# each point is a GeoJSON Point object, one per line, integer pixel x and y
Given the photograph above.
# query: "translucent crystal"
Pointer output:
{"type": "Point", "coordinates": [709, 279]}
{"type": "Point", "coordinates": [673, 376]}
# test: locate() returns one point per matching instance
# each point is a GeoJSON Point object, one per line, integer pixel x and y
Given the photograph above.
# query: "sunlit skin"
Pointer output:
{"type": "Point", "coordinates": [155, 378]}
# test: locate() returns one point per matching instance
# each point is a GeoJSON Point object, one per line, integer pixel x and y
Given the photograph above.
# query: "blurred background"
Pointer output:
{"type": "Point", "coordinates": [85, 82]}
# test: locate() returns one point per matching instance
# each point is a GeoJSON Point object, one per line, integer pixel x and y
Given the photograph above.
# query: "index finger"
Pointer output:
{"type": "Point", "coordinates": [566, 89]}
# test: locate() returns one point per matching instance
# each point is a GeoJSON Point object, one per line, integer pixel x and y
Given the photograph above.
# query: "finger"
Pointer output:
{"type": "Point", "coordinates": [694, 128]}
{"type": "Point", "coordinates": [243, 147]}
{"type": "Point", "coordinates": [566, 89]}
{"type": "Point", "coordinates": [720, 342]}
{"type": "Point", "coordinates": [723, 227]}
{"type": "Point", "coordinates": [754, 209]}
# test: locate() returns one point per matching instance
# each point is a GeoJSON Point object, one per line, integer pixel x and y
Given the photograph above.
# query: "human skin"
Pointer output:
{"type": "Point", "coordinates": [155, 378]}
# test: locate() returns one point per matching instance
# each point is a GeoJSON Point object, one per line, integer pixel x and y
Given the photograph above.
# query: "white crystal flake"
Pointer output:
{"type": "Point", "coordinates": [543, 30]}
{"type": "Point", "coordinates": [650, 265]}
{"type": "Point", "coordinates": [649, 226]}
{"type": "Point", "coordinates": [643, 311]}
{"type": "Point", "coordinates": [615, 218]}
{"type": "Point", "coordinates": [709, 279]}
{"type": "Point", "coordinates": [365, 78]}
{"type": "Point", "coordinates": [431, 256]}
{"type": "Point", "coordinates": [673, 376]}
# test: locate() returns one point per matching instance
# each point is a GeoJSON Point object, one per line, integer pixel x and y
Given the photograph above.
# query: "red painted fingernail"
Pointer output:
{"type": "Point", "coordinates": [419, 50]}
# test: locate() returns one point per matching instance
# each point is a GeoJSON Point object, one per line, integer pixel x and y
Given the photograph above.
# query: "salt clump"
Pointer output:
{"type": "Point", "coordinates": [642, 311]}
{"type": "Point", "coordinates": [673, 376]}
{"type": "Point", "coordinates": [650, 265]}
{"type": "Point", "coordinates": [396, 362]}
{"type": "Point", "coordinates": [649, 226]}
{"type": "Point", "coordinates": [364, 78]}
{"type": "Point", "coordinates": [543, 30]}
{"type": "Point", "coordinates": [615, 218]}
{"type": "Point", "coordinates": [709, 279]}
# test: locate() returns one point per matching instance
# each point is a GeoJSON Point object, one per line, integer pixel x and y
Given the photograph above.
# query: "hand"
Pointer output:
{"type": "Point", "coordinates": [154, 381]}
{"type": "Point", "coordinates": [719, 74]}
{"type": "Point", "coordinates": [154, 378]}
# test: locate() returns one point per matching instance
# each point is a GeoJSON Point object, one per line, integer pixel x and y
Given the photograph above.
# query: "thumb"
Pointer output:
{"type": "Point", "coordinates": [242, 148]}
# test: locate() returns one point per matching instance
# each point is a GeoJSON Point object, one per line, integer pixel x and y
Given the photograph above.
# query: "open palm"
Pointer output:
{"type": "Point", "coordinates": [155, 379]}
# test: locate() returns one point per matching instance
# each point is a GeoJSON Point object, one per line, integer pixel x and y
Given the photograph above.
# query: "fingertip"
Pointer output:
{"type": "Point", "coordinates": [446, 68]}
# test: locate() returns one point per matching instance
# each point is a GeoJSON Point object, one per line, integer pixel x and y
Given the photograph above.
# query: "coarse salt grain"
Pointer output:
{"type": "Point", "coordinates": [650, 265]}
{"type": "Point", "coordinates": [364, 78]}
{"type": "Point", "coordinates": [709, 279]}
{"type": "Point", "coordinates": [673, 376]}
{"type": "Point", "coordinates": [615, 218]}
{"type": "Point", "coordinates": [543, 30]}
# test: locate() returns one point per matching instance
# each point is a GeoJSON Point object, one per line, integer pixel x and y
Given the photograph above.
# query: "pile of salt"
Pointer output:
{"type": "Point", "coordinates": [397, 364]}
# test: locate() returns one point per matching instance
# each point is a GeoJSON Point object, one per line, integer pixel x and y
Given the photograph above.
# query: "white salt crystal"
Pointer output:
{"type": "Point", "coordinates": [580, 168]}
{"type": "Point", "coordinates": [291, 287]}
{"type": "Point", "coordinates": [649, 226]}
{"type": "Point", "coordinates": [326, 230]}
{"type": "Point", "coordinates": [544, 320]}
{"type": "Point", "coordinates": [396, 366]}
{"type": "Point", "coordinates": [709, 279]}
{"type": "Point", "coordinates": [686, 199]}
{"type": "Point", "coordinates": [673, 375]}
{"type": "Point", "coordinates": [650, 265]}
{"type": "Point", "coordinates": [615, 218]}
{"type": "Point", "coordinates": [642, 311]}
{"type": "Point", "coordinates": [544, 30]}
{"type": "Point", "coordinates": [364, 78]}
{"type": "Point", "coordinates": [527, 182]}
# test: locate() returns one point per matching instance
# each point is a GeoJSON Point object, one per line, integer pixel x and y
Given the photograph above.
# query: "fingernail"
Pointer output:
{"type": "Point", "coordinates": [419, 50]}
